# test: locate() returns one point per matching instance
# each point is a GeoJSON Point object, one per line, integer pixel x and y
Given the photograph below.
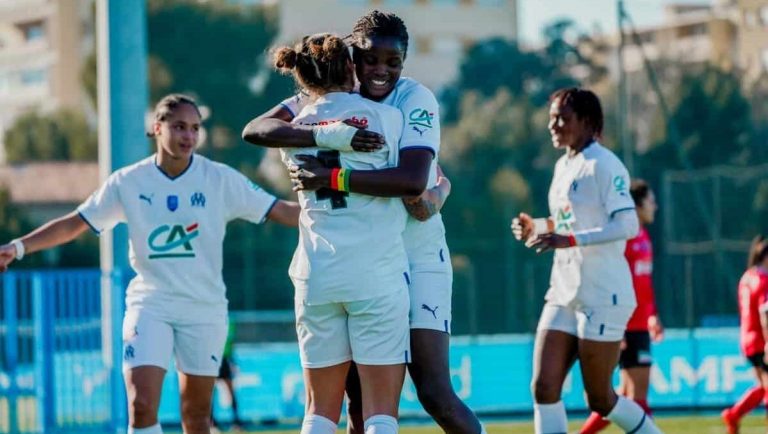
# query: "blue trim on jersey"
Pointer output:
{"type": "Point", "coordinates": [620, 210]}
{"type": "Point", "coordinates": [615, 300]}
{"type": "Point", "coordinates": [173, 178]}
{"type": "Point", "coordinates": [637, 428]}
{"type": "Point", "coordinates": [428, 148]}
{"type": "Point", "coordinates": [407, 279]}
{"type": "Point", "coordinates": [406, 357]}
{"type": "Point", "coordinates": [269, 210]}
{"type": "Point", "coordinates": [442, 258]}
{"type": "Point", "coordinates": [93, 228]}
{"type": "Point", "coordinates": [285, 106]}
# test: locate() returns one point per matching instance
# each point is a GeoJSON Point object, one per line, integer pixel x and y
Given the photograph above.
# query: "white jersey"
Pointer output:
{"type": "Point", "coordinates": [586, 191]}
{"type": "Point", "coordinates": [176, 229]}
{"type": "Point", "coordinates": [421, 117]}
{"type": "Point", "coordinates": [350, 245]}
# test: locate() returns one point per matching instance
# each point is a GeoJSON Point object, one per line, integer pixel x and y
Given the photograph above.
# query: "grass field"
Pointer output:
{"type": "Point", "coordinates": [709, 424]}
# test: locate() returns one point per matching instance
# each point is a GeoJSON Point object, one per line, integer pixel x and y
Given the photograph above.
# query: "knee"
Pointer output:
{"type": "Point", "coordinates": [437, 400]}
{"type": "Point", "coordinates": [196, 416]}
{"type": "Point", "coordinates": [545, 390]}
{"type": "Point", "coordinates": [143, 411]}
{"type": "Point", "coordinates": [601, 403]}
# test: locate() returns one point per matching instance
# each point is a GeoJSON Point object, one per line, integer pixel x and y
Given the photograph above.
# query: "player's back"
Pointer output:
{"type": "Point", "coordinates": [753, 300]}
{"type": "Point", "coordinates": [348, 241]}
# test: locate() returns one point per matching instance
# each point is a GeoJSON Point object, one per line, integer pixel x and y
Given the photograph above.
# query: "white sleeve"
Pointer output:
{"type": "Point", "coordinates": [295, 103]}
{"type": "Point", "coordinates": [623, 225]}
{"type": "Point", "coordinates": [421, 115]}
{"type": "Point", "coordinates": [103, 210]}
{"type": "Point", "coordinates": [244, 199]}
{"type": "Point", "coordinates": [613, 185]}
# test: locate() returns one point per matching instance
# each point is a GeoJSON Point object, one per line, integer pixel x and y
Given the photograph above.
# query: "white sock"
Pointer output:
{"type": "Point", "coordinates": [154, 429]}
{"type": "Point", "coordinates": [632, 418]}
{"type": "Point", "coordinates": [381, 424]}
{"type": "Point", "coordinates": [316, 424]}
{"type": "Point", "coordinates": [550, 418]}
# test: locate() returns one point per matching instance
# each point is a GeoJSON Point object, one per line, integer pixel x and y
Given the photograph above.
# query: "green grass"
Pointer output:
{"type": "Point", "coordinates": [709, 424]}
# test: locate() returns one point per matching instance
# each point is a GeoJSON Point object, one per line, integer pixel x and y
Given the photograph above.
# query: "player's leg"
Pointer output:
{"type": "Point", "coordinates": [325, 354]}
{"type": "Point", "coordinates": [236, 422]}
{"type": "Point", "coordinates": [749, 400]}
{"type": "Point", "coordinates": [600, 333]}
{"type": "Point", "coordinates": [554, 354]}
{"type": "Point", "coordinates": [147, 348]}
{"type": "Point", "coordinates": [430, 293]}
{"type": "Point", "coordinates": [355, 421]}
{"type": "Point", "coordinates": [379, 337]}
{"type": "Point", "coordinates": [198, 349]}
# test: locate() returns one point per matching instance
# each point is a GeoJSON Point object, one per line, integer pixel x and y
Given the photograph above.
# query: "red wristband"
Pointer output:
{"type": "Point", "coordinates": [335, 179]}
{"type": "Point", "coordinates": [571, 240]}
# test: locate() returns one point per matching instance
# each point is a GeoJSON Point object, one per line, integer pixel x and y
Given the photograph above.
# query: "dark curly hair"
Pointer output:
{"type": "Point", "coordinates": [377, 24]}
{"type": "Point", "coordinates": [584, 103]}
{"type": "Point", "coordinates": [318, 62]}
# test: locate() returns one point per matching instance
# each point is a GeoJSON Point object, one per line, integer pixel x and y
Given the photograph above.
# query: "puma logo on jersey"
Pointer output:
{"type": "Point", "coordinates": [214, 358]}
{"type": "Point", "coordinates": [148, 199]}
{"type": "Point", "coordinates": [430, 310]}
{"type": "Point", "coordinates": [421, 132]}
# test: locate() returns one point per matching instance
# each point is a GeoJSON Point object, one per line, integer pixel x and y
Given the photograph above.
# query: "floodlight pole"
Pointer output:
{"type": "Point", "coordinates": [122, 102]}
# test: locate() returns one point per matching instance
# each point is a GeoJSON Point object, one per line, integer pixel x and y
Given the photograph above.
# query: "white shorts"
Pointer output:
{"type": "Point", "coordinates": [600, 323]}
{"type": "Point", "coordinates": [430, 293]}
{"type": "Point", "coordinates": [370, 332]}
{"type": "Point", "coordinates": [150, 340]}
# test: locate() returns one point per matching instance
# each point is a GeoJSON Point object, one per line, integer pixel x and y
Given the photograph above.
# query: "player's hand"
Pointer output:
{"type": "Point", "coordinates": [7, 255]}
{"type": "Point", "coordinates": [655, 328]}
{"type": "Point", "coordinates": [522, 226]}
{"type": "Point", "coordinates": [310, 174]}
{"type": "Point", "coordinates": [364, 140]}
{"type": "Point", "coordinates": [550, 241]}
{"type": "Point", "coordinates": [623, 345]}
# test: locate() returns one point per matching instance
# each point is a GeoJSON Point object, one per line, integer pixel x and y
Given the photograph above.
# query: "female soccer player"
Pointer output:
{"type": "Point", "coordinates": [380, 43]}
{"type": "Point", "coordinates": [349, 269]}
{"type": "Point", "coordinates": [644, 325]}
{"type": "Point", "coordinates": [753, 312]}
{"type": "Point", "coordinates": [590, 297]}
{"type": "Point", "coordinates": [176, 205]}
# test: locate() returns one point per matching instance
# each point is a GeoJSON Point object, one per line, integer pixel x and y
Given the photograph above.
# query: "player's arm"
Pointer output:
{"type": "Point", "coordinates": [409, 178]}
{"type": "Point", "coordinates": [56, 232]}
{"type": "Point", "coordinates": [274, 129]}
{"type": "Point", "coordinates": [285, 212]}
{"type": "Point", "coordinates": [623, 225]}
{"type": "Point", "coordinates": [525, 227]}
{"type": "Point", "coordinates": [430, 202]}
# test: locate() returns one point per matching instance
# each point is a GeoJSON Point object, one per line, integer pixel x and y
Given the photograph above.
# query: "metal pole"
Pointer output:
{"type": "Point", "coordinates": [622, 127]}
{"type": "Point", "coordinates": [122, 103]}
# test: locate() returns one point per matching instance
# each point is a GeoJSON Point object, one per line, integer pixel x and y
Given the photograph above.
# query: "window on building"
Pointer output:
{"type": "Point", "coordinates": [34, 31]}
{"type": "Point", "coordinates": [423, 45]}
{"type": "Point", "coordinates": [764, 15]}
{"type": "Point", "coordinates": [33, 77]}
{"type": "Point", "coordinates": [765, 59]}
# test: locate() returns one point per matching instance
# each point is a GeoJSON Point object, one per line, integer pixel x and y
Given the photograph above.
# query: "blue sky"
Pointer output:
{"type": "Point", "coordinates": [588, 14]}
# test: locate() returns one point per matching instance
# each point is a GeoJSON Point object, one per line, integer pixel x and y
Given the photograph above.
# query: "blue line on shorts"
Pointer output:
{"type": "Point", "coordinates": [615, 300]}
{"type": "Point", "coordinates": [406, 356]}
{"type": "Point", "coordinates": [446, 326]}
{"type": "Point", "coordinates": [442, 259]}
{"type": "Point", "coordinates": [602, 329]}
{"type": "Point", "coordinates": [407, 279]}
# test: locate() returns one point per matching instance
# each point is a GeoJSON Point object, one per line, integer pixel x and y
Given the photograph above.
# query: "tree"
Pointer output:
{"type": "Point", "coordinates": [63, 135]}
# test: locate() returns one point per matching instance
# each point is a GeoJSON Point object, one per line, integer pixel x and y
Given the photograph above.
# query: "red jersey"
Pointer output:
{"type": "Point", "coordinates": [639, 254]}
{"type": "Point", "coordinates": [753, 295]}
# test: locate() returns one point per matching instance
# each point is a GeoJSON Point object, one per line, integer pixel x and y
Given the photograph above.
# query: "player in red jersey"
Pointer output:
{"type": "Point", "coordinates": [753, 308]}
{"type": "Point", "coordinates": [644, 325]}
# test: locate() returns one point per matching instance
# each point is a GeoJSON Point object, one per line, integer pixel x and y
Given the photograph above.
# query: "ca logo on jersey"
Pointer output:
{"type": "Point", "coordinates": [172, 241]}
{"type": "Point", "coordinates": [420, 118]}
{"type": "Point", "coordinates": [620, 185]}
{"type": "Point", "coordinates": [564, 219]}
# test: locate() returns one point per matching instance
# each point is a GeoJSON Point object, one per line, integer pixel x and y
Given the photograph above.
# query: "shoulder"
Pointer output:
{"type": "Point", "coordinates": [138, 168]}
{"type": "Point", "coordinates": [214, 168]}
{"type": "Point", "coordinates": [605, 160]}
{"type": "Point", "coordinates": [410, 89]}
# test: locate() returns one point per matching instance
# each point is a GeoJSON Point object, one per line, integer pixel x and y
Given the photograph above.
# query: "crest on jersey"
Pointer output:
{"type": "Point", "coordinates": [172, 202]}
{"type": "Point", "coordinates": [197, 199]}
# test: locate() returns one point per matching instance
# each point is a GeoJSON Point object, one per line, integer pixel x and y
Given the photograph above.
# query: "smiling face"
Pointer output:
{"type": "Point", "coordinates": [178, 133]}
{"type": "Point", "coordinates": [379, 67]}
{"type": "Point", "coordinates": [566, 128]}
